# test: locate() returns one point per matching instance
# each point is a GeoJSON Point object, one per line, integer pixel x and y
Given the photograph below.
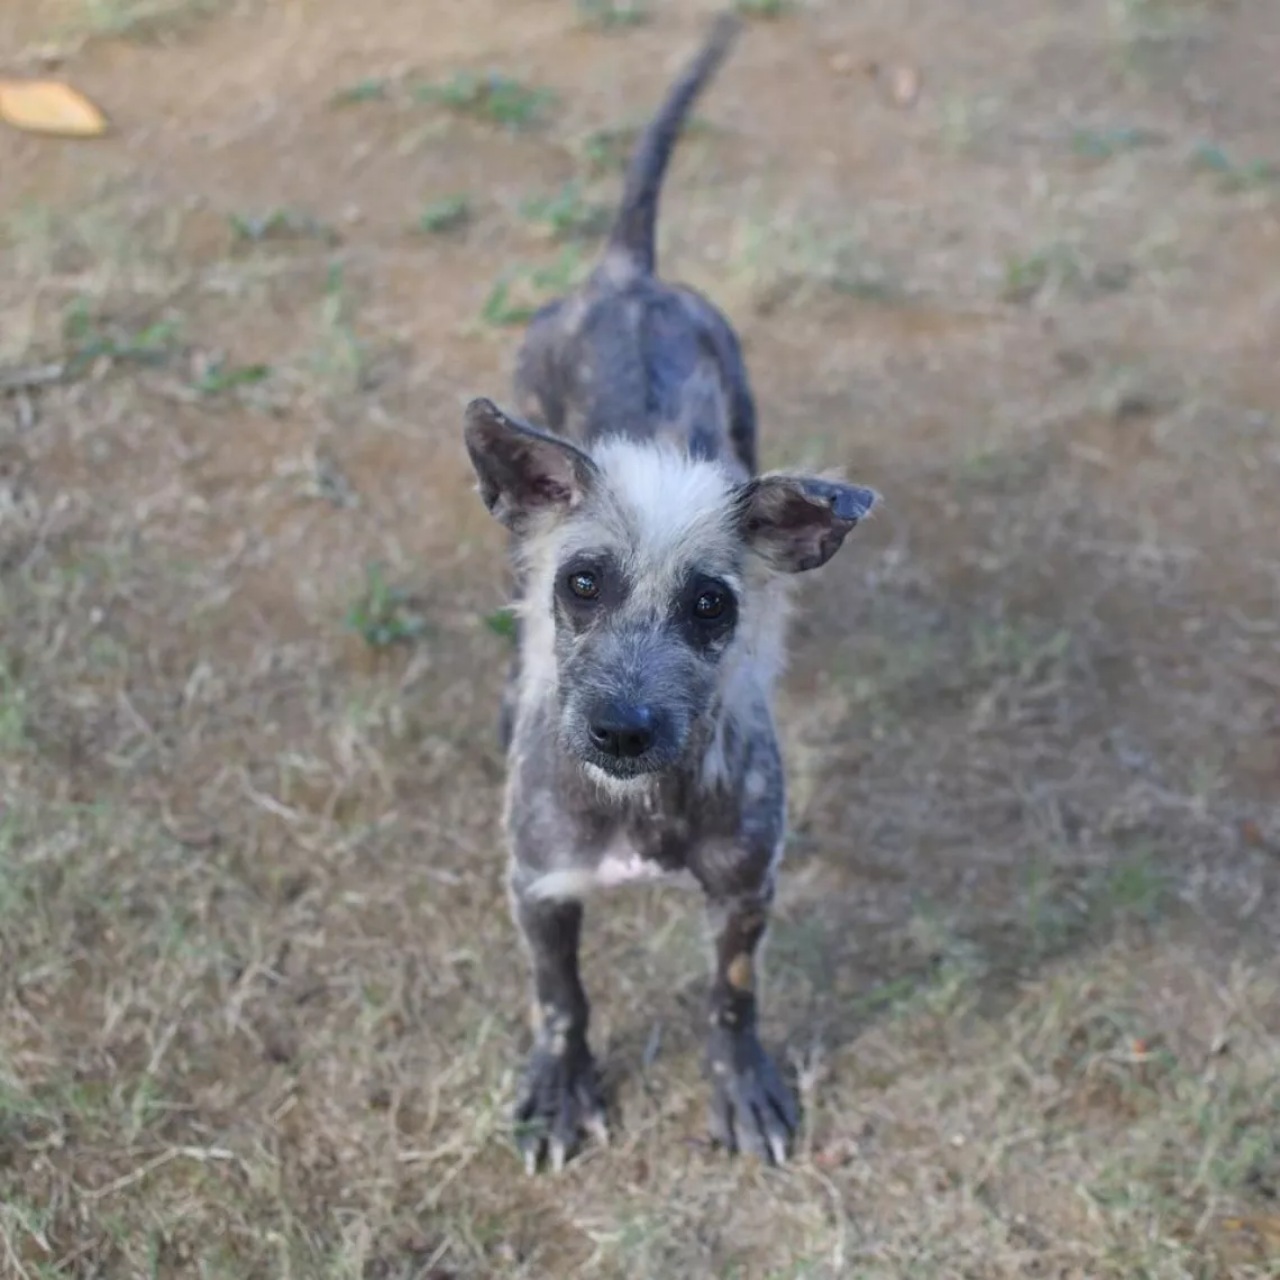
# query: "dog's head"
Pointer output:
{"type": "Point", "coordinates": [646, 577]}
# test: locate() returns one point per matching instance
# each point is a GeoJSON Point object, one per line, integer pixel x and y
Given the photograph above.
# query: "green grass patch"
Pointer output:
{"type": "Point", "coordinates": [383, 615]}
{"type": "Point", "coordinates": [143, 19]}
{"type": "Point", "coordinates": [763, 8]}
{"type": "Point", "coordinates": [1027, 276]}
{"type": "Point", "coordinates": [92, 338]}
{"type": "Point", "coordinates": [279, 224]}
{"type": "Point", "coordinates": [374, 89]}
{"type": "Point", "coordinates": [568, 214]}
{"type": "Point", "coordinates": [609, 15]}
{"type": "Point", "coordinates": [1135, 887]}
{"type": "Point", "coordinates": [1103, 144]}
{"type": "Point", "coordinates": [502, 622]}
{"type": "Point", "coordinates": [607, 150]}
{"type": "Point", "coordinates": [221, 377]}
{"type": "Point", "coordinates": [517, 295]}
{"type": "Point", "coordinates": [1232, 175]}
{"type": "Point", "coordinates": [490, 96]}
{"type": "Point", "coordinates": [449, 213]}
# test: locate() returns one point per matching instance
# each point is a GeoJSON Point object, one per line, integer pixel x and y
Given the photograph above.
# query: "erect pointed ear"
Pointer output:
{"type": "Point", "coordinates": [799, 522]}
{"type": "Point", "coordinates": [523, 471]}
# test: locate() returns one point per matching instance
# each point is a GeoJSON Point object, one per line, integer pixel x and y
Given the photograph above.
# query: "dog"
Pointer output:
{"type": "Point", "coordinates": [651, 569]}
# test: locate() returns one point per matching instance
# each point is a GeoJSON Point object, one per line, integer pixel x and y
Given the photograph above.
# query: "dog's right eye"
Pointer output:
{"type": "Point", "coordinates": [584, 585]}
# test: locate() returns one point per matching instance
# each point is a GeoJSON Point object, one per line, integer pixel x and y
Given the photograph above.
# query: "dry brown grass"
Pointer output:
{"type": "Point", "coordinates": [261, 1003]}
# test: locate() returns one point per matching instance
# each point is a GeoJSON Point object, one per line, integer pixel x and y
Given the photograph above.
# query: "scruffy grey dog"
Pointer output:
{"type": "Point", "coordinates": [651, 571]}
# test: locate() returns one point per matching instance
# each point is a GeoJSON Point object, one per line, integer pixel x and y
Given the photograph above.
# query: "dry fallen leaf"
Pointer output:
{"type": "Point", "coordinates": [49, 106]}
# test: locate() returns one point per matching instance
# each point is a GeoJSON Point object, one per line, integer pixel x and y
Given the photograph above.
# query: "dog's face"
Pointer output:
{"type": "Point", "coordinates": [646, 598]}
{"type": "Point", "coordinates": [643, 567]}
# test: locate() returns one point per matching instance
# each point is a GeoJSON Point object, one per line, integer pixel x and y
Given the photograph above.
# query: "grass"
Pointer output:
{"type": "Point", "coordinates": [279, 224]}
{"type": "Point", "coordinates": [1234, 176]}
{"type": "Point", "coordinates": [143, 19]}
{"type": "Point", "coordinates": [609, 15]}
{"type": "Point", "coordinates": [92, 340]}
{"type": "Point", "coordinates": [374, 89]}
{"type": "Point", "coordinates": [1061, 268]}
{"type": "Point", "coordinates": [763, 8]}
{"type": "Point", "coordinates": [490, 96]}
{"type": "Point", "coordinates": [382, 615]}
{"type": "Point", "coordinates": [1104, 144]}
{"type": "Point", "coordinates": [1053, 268]}
{"type": "Point", "coordinates": [340, 356]}
{"type": "Point", "coordinates": [567, 215]}
{"type": "Point", "coordinates": [791, 261]}
{"type": "Point", "coordinates": [449, 213]}
{"type": "Point", "coordinates": [502, 622]}
{"type": "Point", "coordinates": [219, 377]}
{"type": "Point", "coordinates": [518, 292]}
{"type": "Point", "coordinates": [608, 149]}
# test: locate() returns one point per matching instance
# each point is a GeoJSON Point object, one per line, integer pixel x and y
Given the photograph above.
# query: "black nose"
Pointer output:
{"type": "Point", "coordinates": [622, 729]}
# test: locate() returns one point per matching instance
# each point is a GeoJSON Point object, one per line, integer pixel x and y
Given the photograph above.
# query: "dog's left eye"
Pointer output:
{"type": "Point", "coordinates": [709, 605]}
{"type": "Point", "coordinates": [584, 585]}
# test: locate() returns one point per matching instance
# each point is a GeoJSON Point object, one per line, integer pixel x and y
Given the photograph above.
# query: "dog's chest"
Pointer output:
{"type": "Point", "coordinates": [622, 863]}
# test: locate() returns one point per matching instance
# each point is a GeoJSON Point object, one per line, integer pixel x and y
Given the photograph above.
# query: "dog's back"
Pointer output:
{"type": "Point", "coordinates": [629, 354]}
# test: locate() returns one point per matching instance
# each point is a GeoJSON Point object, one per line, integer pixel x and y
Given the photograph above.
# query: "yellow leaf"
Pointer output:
{"type": "Point", "coordinates": [49, 106]}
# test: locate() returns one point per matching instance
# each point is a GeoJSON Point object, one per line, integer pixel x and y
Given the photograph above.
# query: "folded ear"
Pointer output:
{"type": "Point", "coordinates": [799, 522]}
{"type": "Point", "coordinates": [523, 471]}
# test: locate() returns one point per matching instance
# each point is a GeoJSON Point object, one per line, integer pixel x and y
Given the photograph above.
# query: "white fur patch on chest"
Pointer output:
{"type": "Point", "coordinates": [620, 866]}
{"type": "Point", "coordinates": [628, 867]}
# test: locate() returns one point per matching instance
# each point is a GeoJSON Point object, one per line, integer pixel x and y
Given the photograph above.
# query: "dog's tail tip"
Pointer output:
{"type": "Point", "coordinates": [631, 244]}
{"type": "Point", "coordinates": [725, 29]}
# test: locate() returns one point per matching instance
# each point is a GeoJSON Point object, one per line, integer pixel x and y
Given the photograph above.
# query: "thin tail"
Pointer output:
{"type": "Point", "coordinates": [635, 230]}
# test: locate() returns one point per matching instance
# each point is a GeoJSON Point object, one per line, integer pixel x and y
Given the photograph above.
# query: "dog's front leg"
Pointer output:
{"type": "Point", "coordinates": [559, 1094]}
{"type": "Point", "coordinates": [751, 1108]}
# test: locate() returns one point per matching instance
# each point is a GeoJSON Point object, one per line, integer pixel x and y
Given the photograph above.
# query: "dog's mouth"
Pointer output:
{"type": "Point", "coordinates": [610, 768]}
{"type": "Point", "coordinates": [619, 787]}
{"type": "Point", "coordinates": [624, 770]}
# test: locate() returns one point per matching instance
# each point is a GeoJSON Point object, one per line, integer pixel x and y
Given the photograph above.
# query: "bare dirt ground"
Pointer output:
{"type": "Point", "coordinates": [261, 1000]}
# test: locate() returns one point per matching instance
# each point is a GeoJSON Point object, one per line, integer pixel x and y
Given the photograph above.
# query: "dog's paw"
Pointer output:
{"type": "Point", "coordinates": [559, 1099]}
{"type": "Point", "coordinates": [752, 1109]}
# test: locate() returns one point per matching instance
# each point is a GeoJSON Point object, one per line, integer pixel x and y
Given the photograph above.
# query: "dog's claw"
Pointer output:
{"type": "Point", "coordinates": [752, 1109]}
{"type": "Point", "coordinates": [559, 1098]}
{"type": "Point", "coordinates": [598, 1127]}
{"type": "Point", "coordinates": [778, 1146]}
